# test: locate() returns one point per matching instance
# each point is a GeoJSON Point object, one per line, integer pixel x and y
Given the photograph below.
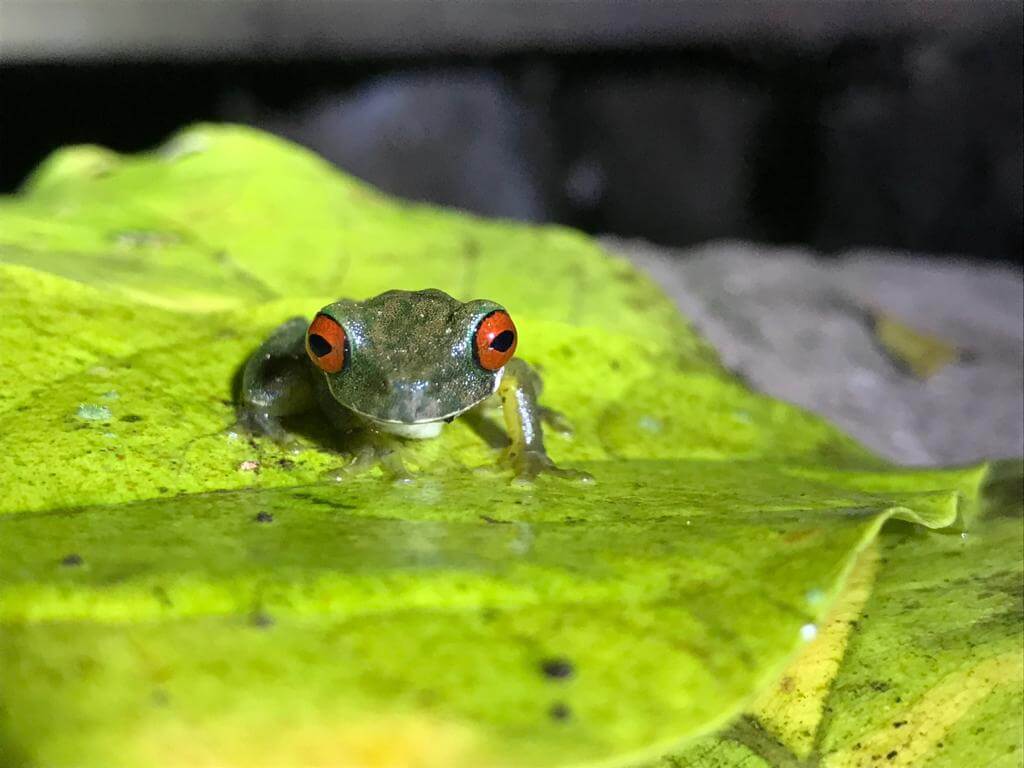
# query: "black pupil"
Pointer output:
{"type": "Point", "coordinates": [503, 341]}
{"type": "Point", "coordinates": [319, 345]}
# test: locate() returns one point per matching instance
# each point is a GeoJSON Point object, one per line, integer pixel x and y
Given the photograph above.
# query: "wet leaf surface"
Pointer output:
{"type": "Point", "coordinates": [174, 593]}
{"type": "Point", "coordinates": [921, 662]}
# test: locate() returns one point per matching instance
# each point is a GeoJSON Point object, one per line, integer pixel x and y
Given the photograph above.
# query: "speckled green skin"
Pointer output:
{"type": "Point", "coordinates": [409, 360]}
{"type": "Point", "coordinates": [411, 356]}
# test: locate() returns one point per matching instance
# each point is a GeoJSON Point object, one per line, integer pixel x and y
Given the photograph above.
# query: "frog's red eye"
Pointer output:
{"type": "Point", "coordinates": [325, 344]}
{"type": "Point", "coordinates": [495, 340]}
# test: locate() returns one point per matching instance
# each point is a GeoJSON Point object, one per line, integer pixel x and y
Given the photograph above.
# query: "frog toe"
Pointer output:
{"type": "Point", "coordinates": [367, 458]}
{"type": "Point", "coordinates": [557, 421]}
{"type": "Point", "coordinates": [262, 423]}
{"type": "Point", "coordinates": [527, 466]}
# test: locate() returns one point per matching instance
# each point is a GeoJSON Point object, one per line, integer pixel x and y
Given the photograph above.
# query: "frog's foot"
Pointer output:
{"type": "Point", "coordinates": [261, 423]}
{"type": "Point", "coordinates": [528, 465]}
{"type": "Point", "coordinates": [556, 420]}
{"type": "Point", "coordinates": [368, 457]}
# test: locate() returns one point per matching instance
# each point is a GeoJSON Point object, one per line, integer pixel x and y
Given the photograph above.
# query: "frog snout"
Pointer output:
{"type": "Point", "coordinates": [412, 400]}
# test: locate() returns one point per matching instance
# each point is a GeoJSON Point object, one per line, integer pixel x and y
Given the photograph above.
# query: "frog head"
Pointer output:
{"type": "Point", "coordinates": [411, 357]}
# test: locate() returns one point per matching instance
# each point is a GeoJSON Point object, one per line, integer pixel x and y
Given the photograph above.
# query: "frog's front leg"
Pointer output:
{"type": "Point", "coordinates": [364, 446]}
{"type": "Point", "coordinates": [368, 449]}
{"type": "Point", "coordinates": [518, 390]}
{"type": "Point", "coordinates": [276, 382]}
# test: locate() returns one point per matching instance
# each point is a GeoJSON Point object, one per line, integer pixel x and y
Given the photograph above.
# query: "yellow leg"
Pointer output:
{"type": "Point", "coordinates": [518, 391]}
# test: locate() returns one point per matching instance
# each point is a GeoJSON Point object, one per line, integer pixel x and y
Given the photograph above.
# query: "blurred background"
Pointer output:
{"type": "Point", "coordinates": [834, 124]}
{"type": "Point", "coordinates": [831, 190]}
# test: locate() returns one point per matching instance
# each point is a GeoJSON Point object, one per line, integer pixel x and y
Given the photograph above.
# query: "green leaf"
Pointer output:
{"type": "Point", "coordinates": [172, 593]}
{"type": "Point", "coordinates": [919, 663]}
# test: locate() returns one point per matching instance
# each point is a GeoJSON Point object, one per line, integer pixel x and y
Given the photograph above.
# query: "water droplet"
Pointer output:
{"type": "Point", "coordinates": [249, 465]}
{"type": "Point", "coordinates": [91, 412]}
{"type": "Point", "coordinates": [649, 423]}
{"type": "Point", "coordinates": [815, 597]}
{"type": "Point", "coordinates": [232, 435]}
{"type": "Point", "coordinates": [808, 632]}
{"type": "Point", "coordinates": [964, 535]}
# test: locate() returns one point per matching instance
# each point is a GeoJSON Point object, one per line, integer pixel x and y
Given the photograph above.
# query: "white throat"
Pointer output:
{"type": "Point", "coordinates": [411, 431]}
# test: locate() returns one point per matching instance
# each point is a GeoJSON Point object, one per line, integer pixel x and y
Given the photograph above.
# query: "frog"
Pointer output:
{"type": "Point", "coordinates": [396, 367]}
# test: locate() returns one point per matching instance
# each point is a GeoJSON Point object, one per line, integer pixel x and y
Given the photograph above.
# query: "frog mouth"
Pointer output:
{"type": "Point", "coordinates": [385, 423]}
{"type": "Point", "coordinates": [416, 411]}
{"type": "Point", "coordinates": [410, 430]}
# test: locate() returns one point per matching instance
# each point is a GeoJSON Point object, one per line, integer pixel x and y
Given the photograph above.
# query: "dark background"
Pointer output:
{"type": "Point", "coordinates": [834, 124]}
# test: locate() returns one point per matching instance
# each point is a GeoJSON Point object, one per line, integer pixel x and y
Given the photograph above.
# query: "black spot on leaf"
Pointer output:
{"type": "Point", "coordinates": [261, 620]}
{"type": "Point", "coordinates": [560, 711]}
{"type": "Point", "coordinates": [557, 669]}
